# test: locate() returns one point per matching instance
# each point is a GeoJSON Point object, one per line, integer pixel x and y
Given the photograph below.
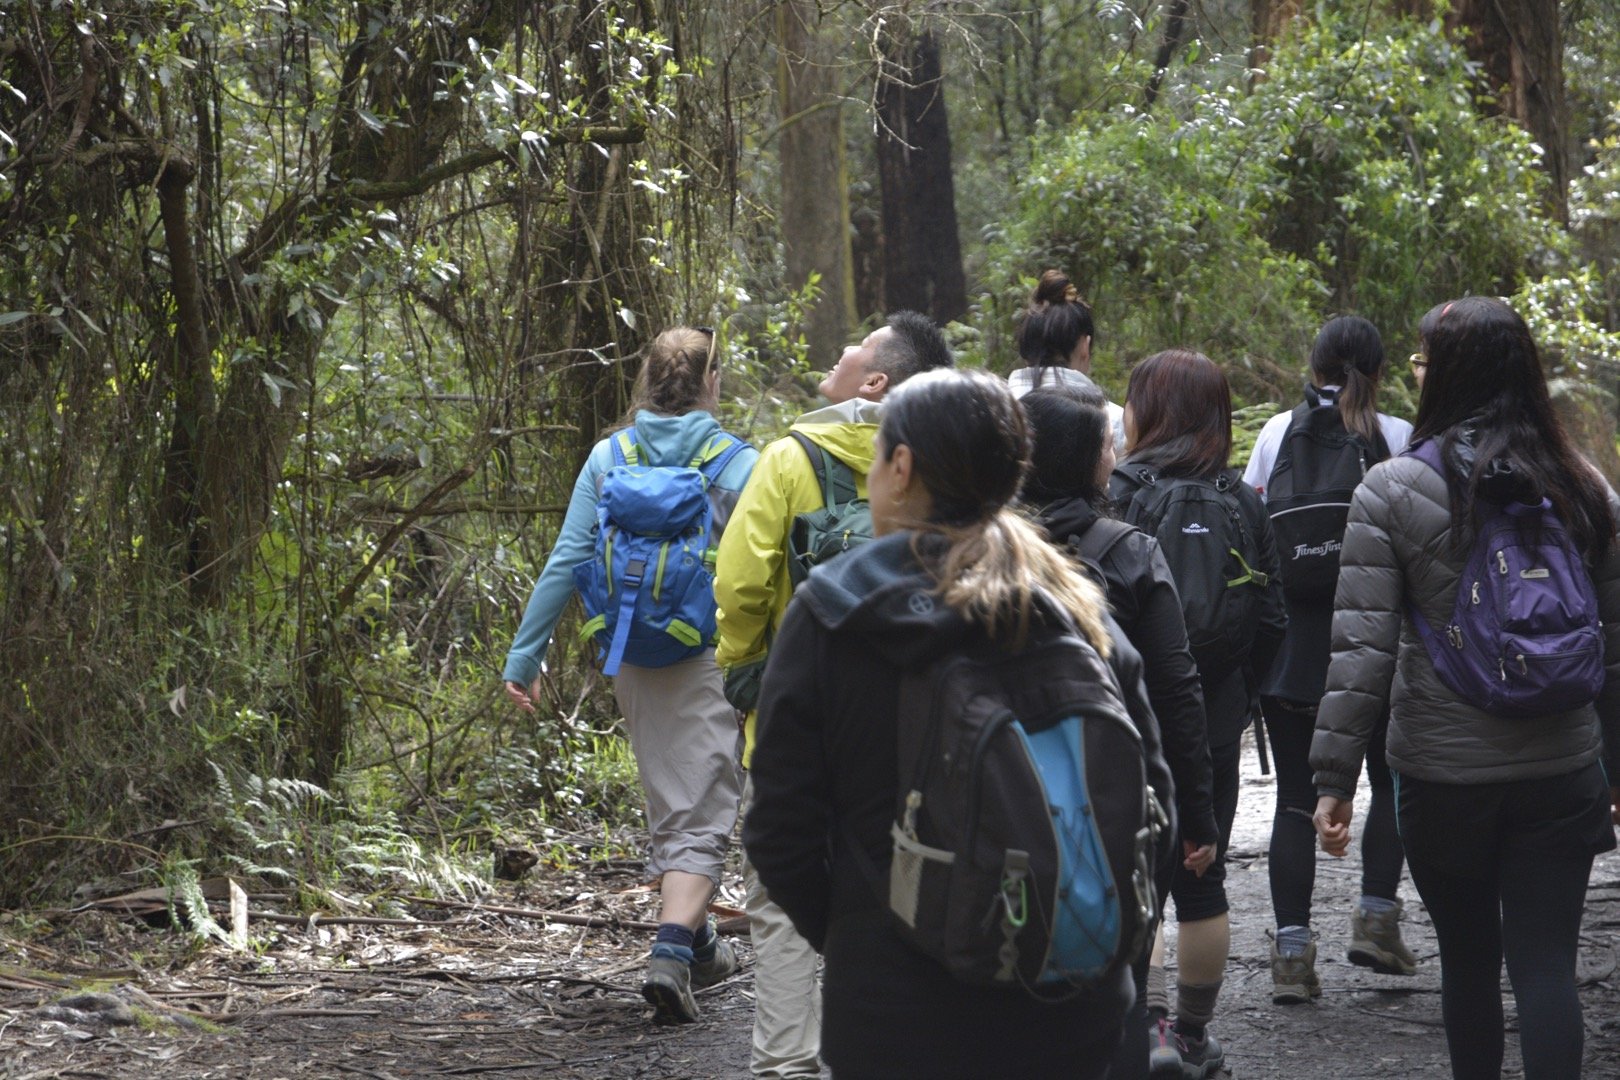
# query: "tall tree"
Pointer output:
{"type": "Point", "coordinates": [815, 174]}
{"type": "Point", "coordinates": [1267, 20]}
{"type": "Point", "coordinates": [922, 254]}
{"type": "Point", "coordinates": [1519, 47]}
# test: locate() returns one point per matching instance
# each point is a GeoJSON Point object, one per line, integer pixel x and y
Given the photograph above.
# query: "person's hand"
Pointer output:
{"type": "Point", "coordinates": [1614, 805]}
{"type": "Point", "coordinates": [521, 697]}
{"type": "Point", "coordinates": [1198, 857]}
{"type": "Point", "coordinates": [1332, 821]}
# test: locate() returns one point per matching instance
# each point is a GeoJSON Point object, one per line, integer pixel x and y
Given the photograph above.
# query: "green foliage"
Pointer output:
{"type": "Point", "coordinates": [1359, 176]}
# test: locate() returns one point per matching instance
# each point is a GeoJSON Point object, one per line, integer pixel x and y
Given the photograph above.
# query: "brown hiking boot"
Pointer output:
{"type": "Point", "coordinates": [1375, 942]}
{"type": "Point", "coordinates": [1293, 978]}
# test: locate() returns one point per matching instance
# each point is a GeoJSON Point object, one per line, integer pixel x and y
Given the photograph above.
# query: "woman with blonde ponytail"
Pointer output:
{"type": "Point", "coordinates": [952, 565]}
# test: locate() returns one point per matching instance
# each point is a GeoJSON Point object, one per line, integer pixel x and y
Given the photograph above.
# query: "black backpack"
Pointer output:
{"type": "Point", "coordinates": [1319, 466]}
{"type": "Point", "coordinates": [1213, 556]}
{"type": "Point", "coordinates": [844, 520]}
{"type": "Point", "coordinates": [1026, 832]}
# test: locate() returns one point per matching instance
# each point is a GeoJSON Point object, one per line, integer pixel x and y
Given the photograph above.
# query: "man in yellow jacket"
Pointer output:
{"type": "Point", "coordinates": [752, 590]}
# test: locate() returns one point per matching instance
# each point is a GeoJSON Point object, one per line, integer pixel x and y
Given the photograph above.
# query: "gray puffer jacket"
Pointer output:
{"type": "Point", "coordinates": [1398, 547]}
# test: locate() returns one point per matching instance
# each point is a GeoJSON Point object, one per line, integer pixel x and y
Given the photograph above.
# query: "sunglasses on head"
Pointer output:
{"type": "Point", "coordinates": [714, 340]}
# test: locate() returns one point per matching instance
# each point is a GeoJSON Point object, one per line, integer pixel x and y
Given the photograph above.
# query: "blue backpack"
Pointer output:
{"type": "Point", "coordinates": [1524, 637]}
{"type": "Point", "coordinates": [648, 589]}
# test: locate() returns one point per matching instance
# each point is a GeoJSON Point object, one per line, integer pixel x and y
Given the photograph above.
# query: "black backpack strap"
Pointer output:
{"type": "Point", "coordinates": [1093, 545]}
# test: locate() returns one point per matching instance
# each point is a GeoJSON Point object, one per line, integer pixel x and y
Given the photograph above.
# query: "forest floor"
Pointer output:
{"type": "Point", "coordinates": [480, 992]}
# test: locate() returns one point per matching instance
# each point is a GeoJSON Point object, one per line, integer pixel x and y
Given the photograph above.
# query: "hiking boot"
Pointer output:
{"type": "Point", "coordinates": [668, 988]}
{"type": "Point", "coordinates": [712, 969]}
{"type": "Point", "coordinates": [1164, 1052]}
{"type": "Point", "coordinates": [1199, 1060]}
{"type": "Point", "coordinates": [1375, 942]}
{"type": "Point", "coordinates": [1293, 978]}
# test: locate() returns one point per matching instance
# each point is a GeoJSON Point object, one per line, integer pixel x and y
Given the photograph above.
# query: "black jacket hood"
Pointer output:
{"type": "Point", "coordinates": [882, 591]}
{"type": "Point", "coordinates": [1063, 518]}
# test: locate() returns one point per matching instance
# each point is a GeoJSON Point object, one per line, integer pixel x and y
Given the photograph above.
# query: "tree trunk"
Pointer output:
{"type": "Point", "coordinates": [1267, 21]}
{"type": "Point", "coordinates": [1519, 47]}
{"type": "Point", "coordinates": [1175, 27]}
{"type": "Point", "coordinates": [922, 255]}
{"type": "Point", "coordinates": [815, 176]}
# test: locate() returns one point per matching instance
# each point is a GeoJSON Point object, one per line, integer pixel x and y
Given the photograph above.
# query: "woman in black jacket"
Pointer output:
{"type": "Point", "coordinates": [1178, 432]}
{"type": "Point", "coordinates": [1500, 815]}
{"type": "Point", "coordinates": [952, 565]}
{"type": "Point", "coordinates": [1066, 492]}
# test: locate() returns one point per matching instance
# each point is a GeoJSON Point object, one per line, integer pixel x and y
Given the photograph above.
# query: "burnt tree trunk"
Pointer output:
{"type": "Point", "coordinates": [815, 176]}
{"type": "Point", "coordinates": [1519, 47]}
{"type": "Point", "coordinates": [922, 255]}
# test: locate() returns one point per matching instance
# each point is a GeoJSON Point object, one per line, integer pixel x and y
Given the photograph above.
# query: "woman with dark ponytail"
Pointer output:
{"type": "Point", "coordinates": [1340, 415]}
{"type": "Point", "coordinates": [1054, 338]}
{"type": "Point", "coordinates": [954, 568]}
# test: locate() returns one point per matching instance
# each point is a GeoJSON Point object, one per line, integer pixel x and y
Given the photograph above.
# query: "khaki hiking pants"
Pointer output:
{"type": "Point", "coordinates": [787, 998]}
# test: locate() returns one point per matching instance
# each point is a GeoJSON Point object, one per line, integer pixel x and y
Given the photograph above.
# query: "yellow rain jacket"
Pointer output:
{"type": "Point", "coordinates": [752, 587]}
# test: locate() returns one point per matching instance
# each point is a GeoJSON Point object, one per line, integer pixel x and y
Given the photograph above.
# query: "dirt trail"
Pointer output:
{"type": "Point", "coordinates": [499, 995]}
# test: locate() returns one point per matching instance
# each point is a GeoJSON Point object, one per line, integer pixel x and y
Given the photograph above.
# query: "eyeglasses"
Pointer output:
{"type": "Point", "coordinates": [1419, 362]}
{"type": "Point", "coordinates": [714, 339]}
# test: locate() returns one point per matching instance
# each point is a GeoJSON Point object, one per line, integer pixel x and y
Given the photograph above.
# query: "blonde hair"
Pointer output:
{"type": "Point", "coordinates": [674, 377]}
{"type": "Point", "coordinates": [993, 570]}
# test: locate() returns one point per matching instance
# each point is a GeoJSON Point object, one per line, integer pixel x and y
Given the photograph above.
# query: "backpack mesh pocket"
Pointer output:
{"type": "Point", "coordinates": [908, 872]}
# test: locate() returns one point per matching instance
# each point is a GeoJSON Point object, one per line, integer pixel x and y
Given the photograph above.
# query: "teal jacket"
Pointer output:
{"type": "Point", "coordinates": [667, 440]}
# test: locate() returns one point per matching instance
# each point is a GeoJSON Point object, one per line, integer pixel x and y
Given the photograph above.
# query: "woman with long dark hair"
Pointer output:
{"type": "Point", "coordinates": [1339, 420]}
{"type": "Point", "coordinates": [682, 731]}
{"type": "Point", "coordinates": [1067, 494]}
{"type": "Point", "coordinates": [1500, 814]}
{"type": "Point", "coordinates": [1176, 484]}
{"type": "Point", "coordinates": [953, 567]}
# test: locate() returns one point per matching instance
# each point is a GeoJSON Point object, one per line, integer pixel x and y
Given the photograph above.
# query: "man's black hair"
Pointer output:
{"type": "Point", "coordinates": [914, 345]}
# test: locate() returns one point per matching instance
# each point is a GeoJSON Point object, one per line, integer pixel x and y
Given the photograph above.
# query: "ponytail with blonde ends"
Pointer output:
{"type": "Point", "coordinates": [970, 448]}
{"type": "Point", "coordinates": [993, 570]}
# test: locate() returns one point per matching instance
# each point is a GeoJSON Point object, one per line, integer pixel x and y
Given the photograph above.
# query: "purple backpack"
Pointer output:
{"type": "Point", "coordinates": [1524, 637]}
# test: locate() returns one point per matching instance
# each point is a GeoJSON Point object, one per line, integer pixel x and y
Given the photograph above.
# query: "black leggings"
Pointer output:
{"type": "Point", "coordinates": [1502, 869]}
{"type": "Point", "coordinates": [1293, 836]}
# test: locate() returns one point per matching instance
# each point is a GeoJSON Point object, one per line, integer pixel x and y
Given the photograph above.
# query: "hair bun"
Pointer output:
{"type": "Point", "coordinates": [1055, 288]}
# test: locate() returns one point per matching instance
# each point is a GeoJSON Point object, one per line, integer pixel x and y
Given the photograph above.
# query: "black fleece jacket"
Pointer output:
{"type": "Point", "coordinates": [1142, 595]}
{"type": "Point", "coordinates": [826, 775]}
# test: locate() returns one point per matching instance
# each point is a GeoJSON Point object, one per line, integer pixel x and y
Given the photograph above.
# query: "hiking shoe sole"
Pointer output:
{"type": "Point", "coordinates": [668, 989]}
{"type": "Point", "coordinates": [1297, 994]}
{"type": "Point", "coordinates": [1370, 956]}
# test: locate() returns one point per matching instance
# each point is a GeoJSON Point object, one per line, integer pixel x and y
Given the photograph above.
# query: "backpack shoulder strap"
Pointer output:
{"type": "Point", "coordinates": [837, 480]}
{"type": "Point", "coordinates": [1093, 545]}
{"type": "Point", "coordinates": [625, 450]}
{"type": "Point", "coordinates": [1427, 451]}
{"type": "Point", "coordinates": [716, 454]}
{"type": "Point", "coordinates": [1285, 448]}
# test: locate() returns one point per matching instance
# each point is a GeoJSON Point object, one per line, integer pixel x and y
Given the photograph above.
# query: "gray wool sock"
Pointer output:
{"type": "Point", "coordinates": [1293, 940]}
{"type": "Point", "coordinates": [1375, 905]}
{"type": "Point", "coordinates": [1156, 997]}
{"type": "Point", "coordinates": [1195, 1006]}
